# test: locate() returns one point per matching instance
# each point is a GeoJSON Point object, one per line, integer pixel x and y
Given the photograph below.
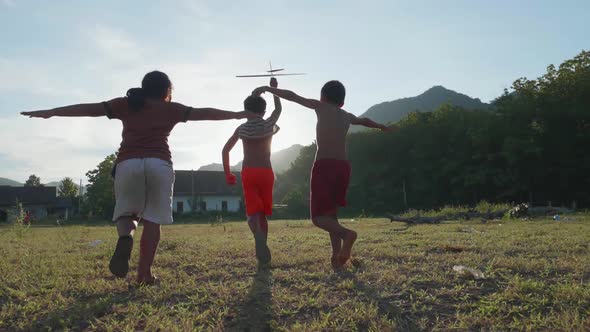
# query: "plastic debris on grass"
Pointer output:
{"type": "Point", "coordinates": [95, 243]}
{"type": "Point", "coordinates": [470, 230]}
{"type": "Point", "coordinates": [469, 272]}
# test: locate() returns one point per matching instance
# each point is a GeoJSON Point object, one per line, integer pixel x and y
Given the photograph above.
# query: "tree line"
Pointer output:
{"type": "Point", "coordinates": [531, 146]}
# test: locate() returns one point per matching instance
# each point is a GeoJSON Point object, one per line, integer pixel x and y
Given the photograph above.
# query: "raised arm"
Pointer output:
{"type": "Point", "coordinates": [89, 110]}
{"type": "Point", "coordinates": [274, 117]}
{"type": "Point", "coordinates": [230, 178]}
{"type": "Point", "coordinates": [289, 95]}
{"type": "Point", "coordinates": [207, 113]}
{"type": "Point", "coordinates": [368, 123]}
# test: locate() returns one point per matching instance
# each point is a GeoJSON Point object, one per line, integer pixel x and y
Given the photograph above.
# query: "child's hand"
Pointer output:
{"type": "Point", "coordinates": [231, 179]}
{"type": "Point", "coordinates": [273, 82]}
{"type": "Point", "coordinates": [38, 114]}
{"type": "Point", "coordinates": [259, 91]}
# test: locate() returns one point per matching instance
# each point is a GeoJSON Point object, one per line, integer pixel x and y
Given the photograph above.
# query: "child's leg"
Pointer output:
{"type": "Point", "coordinates": [119, 264]}
{"type": "Point", "coordinates": [264, 225]}
{"type": "Point", "coordinates": [259, 227]}
{"type": "Point", "coordinates": [147, 250]}
{"type": "Point", "coordinates": [253, 223]}
{"type": "Point", "coordinates": [336, 247]}
{"type": "Point", "coordinates": [330, 224]}
{"type": "Point", "coordinates": [130, 191]}
{"type": "Point", "coordinates": [258, 223]}
{"type": "Point", "coordinates": [126, 226]}
{"type": "Point", "coordinates": [266, 256]}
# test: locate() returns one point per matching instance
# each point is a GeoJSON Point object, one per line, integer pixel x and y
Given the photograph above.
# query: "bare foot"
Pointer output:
{"type": "Point", "coordinates": [148, 281]}
{"type": "Point", "coordinates": [262, 251]}
{"type": "Point", "coordinates": [336, 262]}
{"type": "Point", "coordinates": [344, 254]}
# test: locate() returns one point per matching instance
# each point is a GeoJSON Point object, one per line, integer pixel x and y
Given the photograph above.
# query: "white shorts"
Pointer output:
{"type": "Point", "coordinates": [143, 188]}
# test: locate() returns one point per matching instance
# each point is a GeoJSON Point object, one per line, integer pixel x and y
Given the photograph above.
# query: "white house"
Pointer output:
{"type": "Point", "coordinates": [199, 191]}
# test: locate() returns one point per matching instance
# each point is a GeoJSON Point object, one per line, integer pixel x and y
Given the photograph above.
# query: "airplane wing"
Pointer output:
{"type": "Point", "coordinates": [269, 75]}
{"type": "Point", "coordinates": [293, 74]}
{"type": "Point", "coordinates": [263, 75]}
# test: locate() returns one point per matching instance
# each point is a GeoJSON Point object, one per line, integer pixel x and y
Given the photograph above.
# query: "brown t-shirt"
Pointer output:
{"type": "Point", "coordinates": [145, 132]}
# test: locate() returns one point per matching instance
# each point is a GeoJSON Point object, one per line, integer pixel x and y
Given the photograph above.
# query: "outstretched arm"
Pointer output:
{"type": "Point", "coordinates": [207, 113]}
{"type": "Point", "coordinates": [289, 95]}
{"type": "Point", "coordinates": [93, 110]}
{"type": "Point", "coordinates": [229, 177]}
{"type": "Point", "coordinates": [274, 117]}
{"type": "Point", "coordinates": [368, 123]}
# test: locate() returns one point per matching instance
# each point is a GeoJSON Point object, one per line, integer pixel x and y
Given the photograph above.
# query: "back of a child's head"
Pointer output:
{"type": "Point", "coordinates": [255, 104]}
{"type": "Point", "coordinates": [333, 93]}
{"type": "Point", "coordinates": [155, 84]}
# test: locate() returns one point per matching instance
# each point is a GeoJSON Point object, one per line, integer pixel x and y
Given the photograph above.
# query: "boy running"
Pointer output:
{"type": "Point", "coordinates": [331, 170]}
{"type": "Point", "coordinates": [257, 175]}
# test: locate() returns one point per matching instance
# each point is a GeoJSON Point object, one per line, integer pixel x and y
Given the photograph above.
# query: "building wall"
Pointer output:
{"type": "Point", "coordinates": [213, 203]}
{"type": "Point", "coordinates": [37, 211]}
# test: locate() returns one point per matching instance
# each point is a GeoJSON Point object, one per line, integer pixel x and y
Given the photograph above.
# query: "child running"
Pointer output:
{"type": "Point", "coordinates": [331, 170]}
{"type": "Point", "coordinates": [257, 174]}
{"type": "Point", "coordinates": [144, 176]}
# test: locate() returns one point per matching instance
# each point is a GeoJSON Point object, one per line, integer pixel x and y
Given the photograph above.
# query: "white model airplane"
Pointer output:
{"type": "Point", "coordinates": [271, 73]}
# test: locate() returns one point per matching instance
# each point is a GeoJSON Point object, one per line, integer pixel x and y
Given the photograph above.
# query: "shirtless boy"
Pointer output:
{"type": "Point", "coordinates": [257, 174]}
{"type": "Point", "coordinates": [331, 170]}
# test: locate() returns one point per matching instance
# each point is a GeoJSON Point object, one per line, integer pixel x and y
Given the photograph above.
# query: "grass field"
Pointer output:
{"type": "Point", "coordinates": [537, 278]}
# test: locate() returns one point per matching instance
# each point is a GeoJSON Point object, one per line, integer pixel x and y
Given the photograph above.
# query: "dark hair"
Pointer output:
{"type": "Point", "coordinates": [155, 84]}
{"type": "Point", "coordinates": [334, 92]}
{"type": "Point", "coordinates": [255, 104]}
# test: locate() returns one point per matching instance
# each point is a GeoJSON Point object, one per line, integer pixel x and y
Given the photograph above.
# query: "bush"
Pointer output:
{"type": "Point", "coordinates": [519, 211]}
{"type": "Point", "coordinates": [20, 219]}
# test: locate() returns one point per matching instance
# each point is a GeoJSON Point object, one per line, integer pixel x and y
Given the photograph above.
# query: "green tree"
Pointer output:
{"type": "Point", "coordinates": [100, 195]}
{"type": "Point", "coordinates": [297, 201]}
{"type": "Point", "coordinates": [296, 176]}
{"type": "Point", "coordinates": [531, 145]}
{"type": "Point", "coordinates": [33, 181]}
{"type": "Point", "coordinates": [67, 188]}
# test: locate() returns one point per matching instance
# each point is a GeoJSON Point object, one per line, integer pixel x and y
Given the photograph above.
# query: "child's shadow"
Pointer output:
{"type": "Point", "coordinates": [255, 314]}
{"type": "Point", "coordinates": [385, 306]}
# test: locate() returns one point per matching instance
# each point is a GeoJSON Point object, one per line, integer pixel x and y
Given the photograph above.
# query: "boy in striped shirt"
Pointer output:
{"type": "Point", "coordinates": [257, 174]}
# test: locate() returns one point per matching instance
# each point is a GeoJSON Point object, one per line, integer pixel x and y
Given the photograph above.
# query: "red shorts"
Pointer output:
{"type": "Point", "coordinates": [329, 183]}
{"type": "Point", "coordinates": [258, 184]}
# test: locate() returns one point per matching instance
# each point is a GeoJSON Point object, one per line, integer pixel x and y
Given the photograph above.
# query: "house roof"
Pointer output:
{"type": "Point", "coordinates": [27, 195]}
{"type": "Point", "coordinates": [205, 183]}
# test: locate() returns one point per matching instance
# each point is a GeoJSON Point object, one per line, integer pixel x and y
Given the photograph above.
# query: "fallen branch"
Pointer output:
{"type": "Point", "coordinates": [417, 219]}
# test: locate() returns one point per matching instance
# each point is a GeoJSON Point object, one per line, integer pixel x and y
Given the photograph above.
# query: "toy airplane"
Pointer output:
{"type": "Point", "coordinates": [271, 73]}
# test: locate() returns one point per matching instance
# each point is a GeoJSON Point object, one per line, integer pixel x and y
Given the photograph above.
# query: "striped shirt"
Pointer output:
{"type": "Point", "coordinates": [260, 128]}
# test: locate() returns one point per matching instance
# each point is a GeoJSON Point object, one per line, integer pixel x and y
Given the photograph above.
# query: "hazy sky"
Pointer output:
{"type": "Point", "coordinates": [55, 53]}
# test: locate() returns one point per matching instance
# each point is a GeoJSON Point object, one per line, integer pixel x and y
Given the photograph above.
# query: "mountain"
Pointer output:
{"type": "Point", "coordinates": [431, 99]}
{"type": "Point", "coordinates": [281, 160]}
{"type": "Point", "coordinates": [9, 182]}
{"type": "Point", "coordinates": [218, 167]}
{"type": "Point", "coordinates": [12, 183]}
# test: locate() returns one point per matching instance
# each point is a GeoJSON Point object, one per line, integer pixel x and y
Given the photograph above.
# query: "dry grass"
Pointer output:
{"type": "Point", "coordinates": [537, 279]}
